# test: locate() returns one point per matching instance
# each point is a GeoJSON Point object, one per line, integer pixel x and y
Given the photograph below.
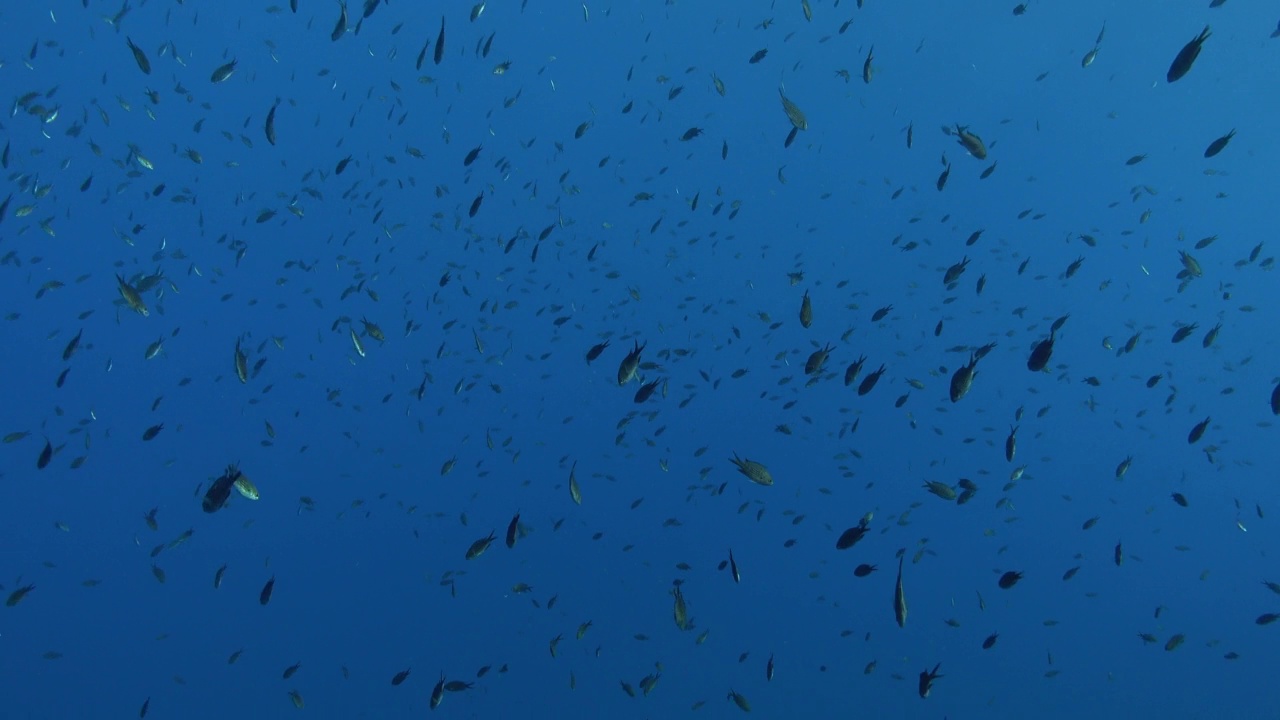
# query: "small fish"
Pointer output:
{"type": "Point", "coordinates": [45, 456]}
{"type": "Point", "coordinates": [139, 57]}
{"type": "Point", "coordinates": [1009, 579]}
{"type": "Point", "coordinates": [596, 350]}
{"type": "Point", "coordinates": [479, 546]}
{"type": "Point", "coordinates": [926, 680]}
{"type": "Point", "coordinates": [439, 56]}
{"type": "Point", "coordinates": [794, 114]}
{"type": "Point", "coordinates": [18, 594]}
{"type": "Point", "coordinates": [754, 471]}
{"type": "Point", "coordinates": [513, 530]}
{"type": "Point", "coordinates": [71, 347]}
{"type": "Point", "coordinates": [1181, 64]}
{"type": "Point", "coordinates": [340, 27]}
{"type": "Point", "coordinates": [269, 127]}
{"type": "Point", "coordinates": [971, 142]}
{"type": "Point", "coordinates": [900, 598]}
{"type": "Point", "coordinates": [1040, 354]}
{"type": "Point", "coordinates": [630, 364]}
{"type": "Point", "coordinates": [223, 72]}
{"type": "Point", "coordinates": [132, 297]}
{"type": "Point", "coordinates": [1219, 145]}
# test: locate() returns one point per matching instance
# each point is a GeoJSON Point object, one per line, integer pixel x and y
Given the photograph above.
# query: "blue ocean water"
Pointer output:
{"type": "Point", "coordinates": [594, 221]}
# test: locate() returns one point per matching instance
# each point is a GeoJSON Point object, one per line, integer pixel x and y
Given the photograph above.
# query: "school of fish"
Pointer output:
{"type": "Point", "coordinates": [335, 249]}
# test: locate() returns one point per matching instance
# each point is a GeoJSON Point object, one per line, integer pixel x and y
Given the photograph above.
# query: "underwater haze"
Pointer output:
{"type": "Point", "coordinates": [533, 359]}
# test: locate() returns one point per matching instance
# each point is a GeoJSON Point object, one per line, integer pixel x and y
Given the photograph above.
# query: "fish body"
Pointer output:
{"type": "Point", "coordinates": [1181, 64]}
{"type": "Point", "coordinates": [869, 382]}
{"type": "Point", "coordinates": [216, 496]}
{"type": "Point", "coordinates": [630, 364]}
{"type": "Point", "coordinates": [132, 297]}
{"type": "Point", "coordinates": [223, 72]}
{"type": "Point", "coordinates": [754, 471]}
{"type": "Point", "coordinates": [900, 599]}
{"type": "Point", "coordinates": [1219, 145]}
{"type": "Point", "coordinates": [962, 380]}
{"type": "Point", "coordinates": [1040, 354]}
{"type": "Point", "coordinates": [794, 114]}
{"type": "Point", "coordinates": [971, 142]}
{"type": "Point", "coordinates": [139, 57]}
{"type": "Point", "coordinates": [926, 680]}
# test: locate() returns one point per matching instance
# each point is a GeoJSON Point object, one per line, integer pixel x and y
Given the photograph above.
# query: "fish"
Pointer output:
{"type": "Point", "coordinates": [439, 56]}
{"type": "Point", "coordinates": [479, 546]}
{"type": "Point", "coordinates": [1182, 63]}
{"type": "Point", "coordinates": [596, 350]}
{"type": "Point", "coordinates": [869, 382]}
{"type": "Point", "coordinates": [794, 114]}
{"type": "Point", "coordinates": [269, 127]}
{"type": "Point", "coordinates": [437, 693]}
{"type": "Point", "coordinates": [18, 594]}
{"type": "Point", "coordinates": [816, 360]}
{"type": "Point", "coordinates": [216, 496]}
{"type": "Point", "coordinates": [971, 142]}
{"type": "Point", "coordinates": [1040, 354]}
{"type": "Point", "coordinates": [752, 470]}
{"type": "Point", "coordinates": [139, 57]}
{"type": "Point", "coordinates": [513, 530]}
{"type": "Point", "coordinates": [46, 455]}
{"type": "Point", "coordinates": [1009, 579]}
{"type": "Point", "coordinates": [926, 680]}
{"type": "Point", "coordinates": [340, 27]}
{"type": "Point", "coordinates": [630, 364]}
{"type": "Point", "coordinates": [900, 598]}
{"type": "Point", "coordinates": [1219, 145]}
{"type": "Point", "coordinates": [955, 271]}
{"type": "Point", "coordinates": [850, 537]}
{"type": "Point", "coordinates": [962, 380]}
{"type": "Point", "coordinates": [132, 297]}
{"type": "Point", "coordinates": [223, 72]}
{"type": "Point", "coordinates": [241, 362]}
{"type": "Point", "coordinates": [264, 596]}
{"type": "Point", "coordinates": [245, 487]}
{"type": "Point", "coordinates": [72, 345]}
{"type": "Point", "coordinates": [851, 372]}
{"type": "Point", "coordinates": [575, 492]}
{"type": "Point", "coordinates": [1197, 431]}
{"type": "Point", "coordinates": [679, 610]}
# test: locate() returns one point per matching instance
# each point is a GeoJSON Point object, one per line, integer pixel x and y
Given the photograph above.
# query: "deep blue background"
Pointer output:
{"type": "Point", "coordinates": [361, 580]}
